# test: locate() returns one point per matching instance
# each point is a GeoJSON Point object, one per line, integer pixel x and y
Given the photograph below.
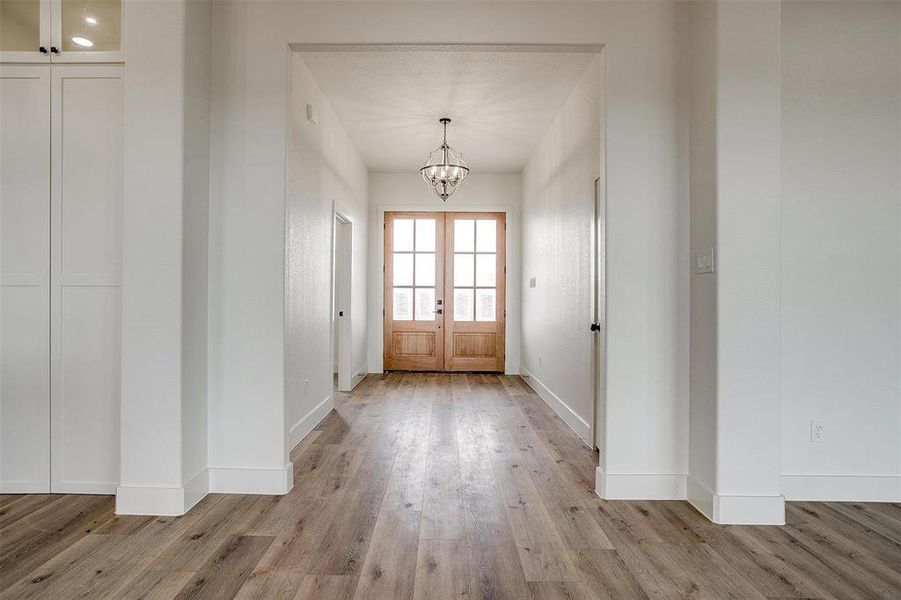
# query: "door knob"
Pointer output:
{"type": "Point", "coordinates": [595, 326]}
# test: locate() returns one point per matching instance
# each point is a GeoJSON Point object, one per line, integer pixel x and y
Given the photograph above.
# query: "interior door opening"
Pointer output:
{"type": "Point", "coordinates": [444, 286]}
{"type": "Point", "coordinates": [342, 277]}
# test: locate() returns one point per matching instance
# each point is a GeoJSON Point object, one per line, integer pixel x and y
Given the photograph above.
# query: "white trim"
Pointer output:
{"type": "Point", "coordinates": [748, 510]}
{"type": "Point", "coordinates": [842, 488]}
{"type": "Point", "coordinates": [241, 480]}
{"type": "Point", "coordinates": [640, 486]}
{"type": "Point", "coordinates": [196, 489]}
{"type": "Point", "coordinates": [735, 510]}
{"type": "Point", "coordinates": [84, 487]}
{"type": "Point", "coordinates": [24, 487]}
{"type": "Point", "coordinates": [579, 425]}
{"type": "Point", "coordinates": [359, 376]}
{"type": "Point", "coordinates": [511, 370]}
{"type": "Point", "coordinates": [160, 501]}
{"type": "Point", "coordinates": [701, 497]}
{"type": "Point", "coordinates": [309, 421]}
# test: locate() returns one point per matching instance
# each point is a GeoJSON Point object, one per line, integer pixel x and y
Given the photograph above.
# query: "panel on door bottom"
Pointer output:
{"type": "Point", "coordinates": [24, 279]}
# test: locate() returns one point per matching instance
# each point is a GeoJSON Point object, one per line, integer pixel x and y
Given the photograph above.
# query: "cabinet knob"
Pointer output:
{"type": "Point", "coordinates": [42, 50]}
{"type": "Point", "coordinates": [54, 49]}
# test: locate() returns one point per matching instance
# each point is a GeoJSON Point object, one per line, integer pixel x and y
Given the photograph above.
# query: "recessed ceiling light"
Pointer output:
{"type": "Point", "coordinates": [90, 20]}
{"type": "Point", "coordinates": [82, 41]}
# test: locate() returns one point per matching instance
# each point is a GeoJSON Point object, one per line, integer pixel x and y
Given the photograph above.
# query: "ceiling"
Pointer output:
{"type": "Point", "coordinates": [501, 103]}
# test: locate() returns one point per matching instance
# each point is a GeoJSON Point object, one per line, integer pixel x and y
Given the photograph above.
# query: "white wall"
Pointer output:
{"type": "Point", "coordinates": [195, 242]}
{"type": "Point", "coordinates": [323, 170]}
{"type": "Point", "coordinates": [702, 443]}
{"type": "Point", "coordinates": [166, 145]}
{"type": "Point", "coordinates": [558, 212]}
{"type": "Point", "coordinates": [648, 235]}
{"type": "Point", "coordinates": [841, 130]}
{"type": "Point", "coordinates": [407, 191]}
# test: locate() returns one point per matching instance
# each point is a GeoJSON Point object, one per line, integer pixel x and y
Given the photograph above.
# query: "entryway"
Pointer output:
{"type": "Point", "coordinates": [444, 286]}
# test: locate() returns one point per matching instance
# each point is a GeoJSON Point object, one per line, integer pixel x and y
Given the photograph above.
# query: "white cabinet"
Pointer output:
{"type": "Point", "coordinates": [24, 279]}
{"type": "Point", "coordinates": [61, 31]}
{"type": "Point", "coordinates": [61, 319]}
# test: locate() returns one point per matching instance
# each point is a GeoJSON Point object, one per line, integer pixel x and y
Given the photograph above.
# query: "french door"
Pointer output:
{"type": "Point", "coordinates": [444, 291]}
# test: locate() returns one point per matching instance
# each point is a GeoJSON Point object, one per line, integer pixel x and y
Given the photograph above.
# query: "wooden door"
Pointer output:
{"type": "Point", "coordinates": [414, 282]}
{"type": "Point", "coordinates": [475, 268]}
{"type": "Point", "coordinates": [24, 279]}
{"type": "Point", "coordinates": [85, 277]}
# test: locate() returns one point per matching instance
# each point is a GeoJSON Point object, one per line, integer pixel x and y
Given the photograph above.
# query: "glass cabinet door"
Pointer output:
{"type": "Point", "coordinates": [24, 30]}
{"type": "Point", "coordinates": [89, 26]}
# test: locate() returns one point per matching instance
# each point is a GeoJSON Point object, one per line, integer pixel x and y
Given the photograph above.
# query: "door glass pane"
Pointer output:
{"type": "Point", "coordinates": [425, 269]}
{"type": "Point", "coordinates": [403, 304]}
{"type": "Point", "coordinates": [91, 25]}
{"type": "Point", "coordinates": [20, 25]}
{"type": "Point", "coordinates": [486, 235]}
{"type": "Point", "coordinates": [463, 304]}
{"type": "Point", "coordinates": [425, 235]}
{"type": "Point", "coordinates": [486, 267]}
{"type": "Point", "coordinates": [463, 270]}
{"type": "Point", "coordinates": [464, 234]}
{"type": "Point", "coordinates": [485, 305]}
{"type": "Point", "coordinates": [403, 269]}
{"type": "Point", "coordinates": [403, 235]}
{"type": "Point", "coordinates": [425, 304]}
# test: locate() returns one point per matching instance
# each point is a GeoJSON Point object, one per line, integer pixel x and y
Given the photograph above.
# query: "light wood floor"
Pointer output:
{"type": "Point", "coordinates": [442, 486]}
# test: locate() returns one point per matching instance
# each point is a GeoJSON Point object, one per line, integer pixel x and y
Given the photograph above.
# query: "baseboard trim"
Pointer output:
{"type": "Point", "coordinates": [842, 488]}
{"type": "Point", "coordinates": [309, 421]}
{"type": "Point", "coordinates": [640, 486]}
{"type": "Point", "coordinates": [272, 482]}
{"type": "Point", "coordinates": [575, 422]}
{"type": "Point", "coordinates": [162, 501]}
{"type": "Point", "coordinates": [724, 509]}
{"type": "Point", "coordinates": [512, 370]}
{"type": "Point", "coordinates": [357, 377]}
{"type": "Point", "coordinates": [196, 489]}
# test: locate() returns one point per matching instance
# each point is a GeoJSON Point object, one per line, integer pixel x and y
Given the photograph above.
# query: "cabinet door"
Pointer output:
{"type": "Point", "coordinates": [87, 31]}
{"type": "Point", "coordinates": [24, 30]}
{"type": "Point", "coordinates": [86, 267]}
{"type": "Point", "coordinates": [24, 279]}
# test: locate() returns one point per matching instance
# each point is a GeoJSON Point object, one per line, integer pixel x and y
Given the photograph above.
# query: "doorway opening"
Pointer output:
{"type": "Point", "coordinates": [444, 286]}
{"type": "Point", "coordinates": [342, 278]}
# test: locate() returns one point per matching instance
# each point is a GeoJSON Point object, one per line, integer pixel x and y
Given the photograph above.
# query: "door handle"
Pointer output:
{"type": "Point", "coordinates": [438, 312]}
{"type": "Point", "coordinates": [595, 326]}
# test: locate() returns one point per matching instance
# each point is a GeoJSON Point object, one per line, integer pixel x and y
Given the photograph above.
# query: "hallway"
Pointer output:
{"type": "Point", "coordinates": [441, 486]}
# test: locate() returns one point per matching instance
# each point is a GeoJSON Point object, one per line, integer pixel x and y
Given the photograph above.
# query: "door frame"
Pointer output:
{"type": "Point", "coordinates": [341, 327]}
{"type": "Point", "coordinates": [377, 247]}
{"type": "Point", "coordinates": [599, 313]}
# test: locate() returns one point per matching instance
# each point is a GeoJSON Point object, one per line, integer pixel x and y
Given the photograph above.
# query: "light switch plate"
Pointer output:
{"type": "Point", "coordinates": [704, 261]}
{"type": "Point", "coordinates": [532, 282]}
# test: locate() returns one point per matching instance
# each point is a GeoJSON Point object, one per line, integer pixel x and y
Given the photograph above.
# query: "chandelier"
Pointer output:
{"type": "Point", "coordinates": [445, 170]}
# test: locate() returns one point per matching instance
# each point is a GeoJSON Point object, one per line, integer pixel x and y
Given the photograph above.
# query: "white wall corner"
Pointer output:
{"type": "Point", "coordinates": [274, 482]}
{"type": "Point", "coordinates": [512, 370]}
{"type": "Point", "coordinates": [575, 422]}
{"type": "Point", "coordinates": [842, 488]}
{"type": "Point", "coordinates": [309, 421]}
{"type": "Point", "coordinates": [640, 486]}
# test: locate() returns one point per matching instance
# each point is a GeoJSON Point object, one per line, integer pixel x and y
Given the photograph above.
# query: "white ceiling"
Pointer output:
{"type": "Point", "coordinates": [501, 103]}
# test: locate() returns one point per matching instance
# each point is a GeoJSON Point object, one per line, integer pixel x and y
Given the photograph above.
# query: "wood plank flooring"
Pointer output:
{"type": "Point", "coordinates": [433, 486]}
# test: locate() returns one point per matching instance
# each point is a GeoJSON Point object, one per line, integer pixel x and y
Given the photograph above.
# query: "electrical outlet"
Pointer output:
{"type": "Point", "coordinates": [817, 431]}
{"type": "Point", "coordinates": [533, 282]}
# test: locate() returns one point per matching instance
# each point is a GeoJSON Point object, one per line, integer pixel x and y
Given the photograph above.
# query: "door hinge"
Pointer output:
{"type": "Point", "coordinates": [383, 312]}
